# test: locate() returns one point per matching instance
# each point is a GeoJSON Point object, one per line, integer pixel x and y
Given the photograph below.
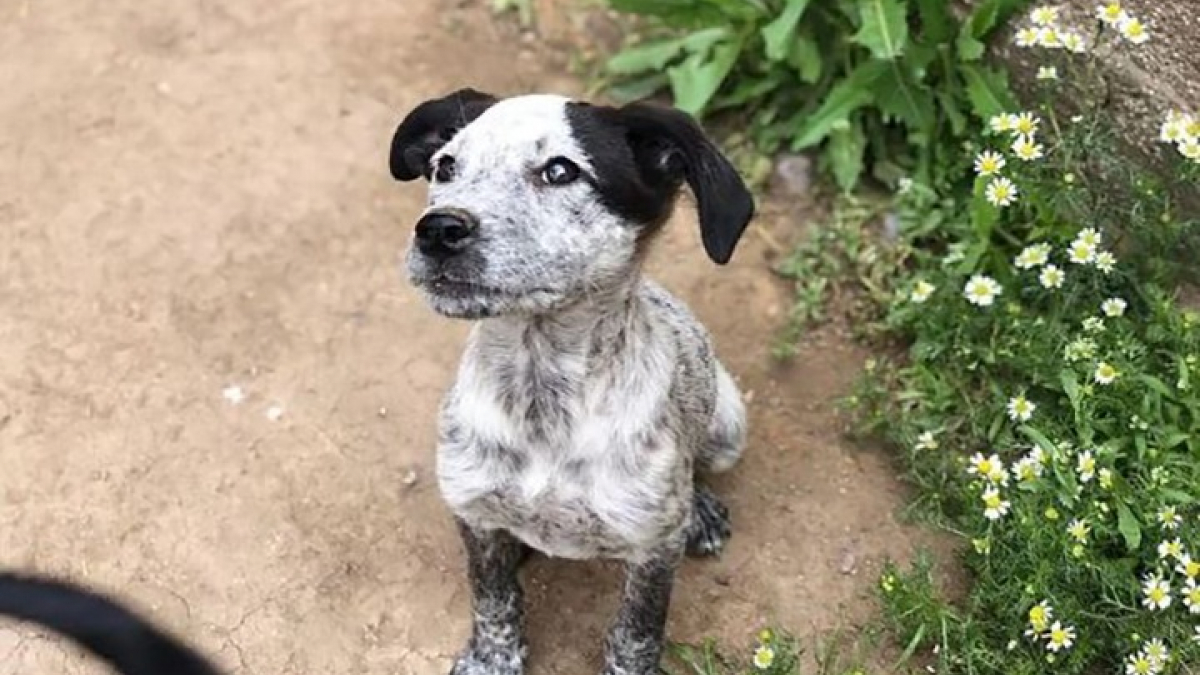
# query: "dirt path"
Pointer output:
{"type": "Point", "coordinates": [194, 195]}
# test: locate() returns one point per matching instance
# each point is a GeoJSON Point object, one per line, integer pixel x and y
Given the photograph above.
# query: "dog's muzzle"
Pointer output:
{"type": "Point", "coordinates": [443, 234]}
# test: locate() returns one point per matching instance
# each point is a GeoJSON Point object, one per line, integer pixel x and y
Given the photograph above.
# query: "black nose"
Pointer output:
{"type": "Point", "coordinates": [443, 234]}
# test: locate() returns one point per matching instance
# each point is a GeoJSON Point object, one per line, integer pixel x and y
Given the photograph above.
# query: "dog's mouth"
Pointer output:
{"type": "Point", "coordinates": [458, 289]}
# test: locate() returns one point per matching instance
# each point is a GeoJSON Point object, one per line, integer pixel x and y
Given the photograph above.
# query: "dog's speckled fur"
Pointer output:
{"type": "Point", "coordinates": [588, 398]}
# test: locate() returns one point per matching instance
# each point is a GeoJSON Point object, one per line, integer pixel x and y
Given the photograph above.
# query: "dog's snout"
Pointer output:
{"type": "Point", "coordinates": [443, 234]}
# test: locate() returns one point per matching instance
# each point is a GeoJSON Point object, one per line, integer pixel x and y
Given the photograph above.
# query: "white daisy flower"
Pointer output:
{"type": "Point", "coordinates": [1027, 37]}
{"type": "Point", "coordinates": [1172, 548]}
{"type": "Point", "coordinates": [764, 657]}
{"type": "Point", "coordinates": [927, 441]}
{"type": "Point", "coordinates": [921, 291]}
{"type": "Point", "coordinates": [1188, 567]}
{"type": "Point", "coordinates": [1105, 262]}
{"type": "Point", "coordinates": [1079, 530]}
{"type": "Point", "coordinates": [1156, 592]}
{"type": "Point", "coordinates": [1026, 149]}
{"type": "Point", "coordinates": [1060, 637]}
{"type": "Point", "coordinates": [1086, 466]}
{"type": "Point", "coordinates": [990, 468]}
{"type": "Point", "coordinates": [1133, 29]}
{"type": "Point", "coordinates": [1001, 192]}
{"type": "Point", "coordinates": [1140, 664]}
{"type": "Point", "coordinates": [1044, 16]}
{"type": "Point", "coordinates": [982, 290]}
{"type": "Point", "coordinates": [1020, 409]}
{"type": "Point", "coordinates": [1025, 124]}
{"type": "Point", "coordinates": [1191, 596]}
{"type": "Point", "coordinates": [1157, 652]}
{"type": "Point", "coordinates": [1110, 13]}
{"type": "Point", "coordinates": [1074, 43]}
{"type": "Point", "coordinates": [989, 163]}
{"type": "Point", "coordinates": [995, 506]}
{"type": "Point", "coordinates": [1105, 374]}
{"type": "Point", "coordinates": [1052, 277]}
{"type": "Point", "coordinates": [1113, 307]}
{"type": "Point", "coordinates": [1031, 256]}
{"type": "Point", "coordinates": [1081, 253]}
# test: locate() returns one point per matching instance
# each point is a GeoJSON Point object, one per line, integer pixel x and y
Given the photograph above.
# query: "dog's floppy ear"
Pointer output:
{"type": "Point", "coordinates": [669, 145]}
{"type": "Point", "coordinates": [429, 126]}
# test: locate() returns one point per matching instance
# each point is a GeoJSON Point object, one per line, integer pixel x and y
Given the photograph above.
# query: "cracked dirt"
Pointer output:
{"type": "Point", "coordinates": [195, 196]}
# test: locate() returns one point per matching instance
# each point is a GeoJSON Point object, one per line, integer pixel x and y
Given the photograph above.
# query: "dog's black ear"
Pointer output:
{"type": "Point", "coordinates": [669, 145]}
{"type": "Point", "coordinates": [429, 126]}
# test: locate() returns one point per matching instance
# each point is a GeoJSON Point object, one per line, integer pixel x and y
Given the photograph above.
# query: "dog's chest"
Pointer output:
{"type": "Point", "coordinates": [576, 468]}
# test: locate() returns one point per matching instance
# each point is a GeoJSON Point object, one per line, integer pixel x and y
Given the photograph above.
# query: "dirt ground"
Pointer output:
{"type": "Point", "coordinates": [195, 196]}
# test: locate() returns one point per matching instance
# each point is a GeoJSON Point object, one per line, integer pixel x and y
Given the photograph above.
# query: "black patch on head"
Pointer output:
{"type": "Point", "coordinates": [642, 154]}
{"type": "Point", "coordinates": [430, 126]}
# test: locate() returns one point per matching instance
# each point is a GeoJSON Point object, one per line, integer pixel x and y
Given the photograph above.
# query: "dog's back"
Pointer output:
{"type": "Point", "coordinates": [123, 639]}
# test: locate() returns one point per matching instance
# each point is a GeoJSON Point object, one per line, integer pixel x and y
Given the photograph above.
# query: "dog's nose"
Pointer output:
{"type": "Point", "coordinates": [443, 234]}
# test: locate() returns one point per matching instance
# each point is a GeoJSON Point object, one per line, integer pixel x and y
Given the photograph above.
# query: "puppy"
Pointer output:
{"type": "Point", "coordinates": [123, 639]}
{"type": "Point", "coordinates": [588, 399]}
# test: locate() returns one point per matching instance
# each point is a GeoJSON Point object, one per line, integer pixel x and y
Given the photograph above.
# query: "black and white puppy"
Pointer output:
{"type": "Point", "coordinates": [125, 640]}
{"type": "Point", "coordinates": [588, 399]}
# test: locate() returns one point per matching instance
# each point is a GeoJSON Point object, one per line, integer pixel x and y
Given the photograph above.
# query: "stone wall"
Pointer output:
{"type": "Point", "coordinates": [1146, 80]}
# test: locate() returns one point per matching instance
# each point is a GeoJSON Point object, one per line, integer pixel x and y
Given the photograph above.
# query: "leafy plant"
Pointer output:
{"type": "Point", "coordinates": [880, 86]}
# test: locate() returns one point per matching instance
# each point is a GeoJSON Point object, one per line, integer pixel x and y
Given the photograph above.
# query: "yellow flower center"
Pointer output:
{"type": "Point", "coordinates": [1157, 594]}
{"type": "Point", "coordinates": [992, 501]}
{"type": "Point", "coordinates": [1192, 569]}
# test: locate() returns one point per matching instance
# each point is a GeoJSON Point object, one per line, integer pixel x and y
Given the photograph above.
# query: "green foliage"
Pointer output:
{"type": "Point", "coordinates": [1084, 500]}
{"type": "Point", "coordinates": [881, 87]}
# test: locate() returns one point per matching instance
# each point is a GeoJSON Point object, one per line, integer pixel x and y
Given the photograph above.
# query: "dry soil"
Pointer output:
{"type": "Point", "coordinates": [194, 196]}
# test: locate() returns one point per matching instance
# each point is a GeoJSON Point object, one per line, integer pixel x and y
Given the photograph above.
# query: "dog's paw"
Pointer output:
{"type": "Point", "coordinates": [710, 527]}
{"type": "Point", "coordinates": [490, 661]}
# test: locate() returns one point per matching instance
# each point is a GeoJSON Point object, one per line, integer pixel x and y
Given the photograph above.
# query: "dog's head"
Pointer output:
{"type": "Point", "coordinates": [537, 201]}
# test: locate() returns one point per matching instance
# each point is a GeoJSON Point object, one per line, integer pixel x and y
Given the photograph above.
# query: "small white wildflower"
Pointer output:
{"type": "Point", "coordinates": [1044, 16]}
{"type": "Point", "coordinates": [1052, 277]}
{"type": "Point", "coordinates": [1110, 13]}
{"type": "Point", "coordinates": [921, 291]}
{"type": "Point", "coordinates": [1086, 466]}
{"type": "Point", "coordinates": [1074, 43]}
{"type": "Point", "coordinates": [1140, 664]}
{"type": "Point", "coordinates": [1025, 124]}
{"type": "Point", "coordinates": [1026, 149]}
{"type": "Point", "coordinates": [1105, 373]}
{"type": "Point", "coordinates": [1113, 307]}
{"type": "Point", "coordinates": [1079, 530]}
{"type": "Point", "coordinates": [1081, 253]}
{"type": "Point", "coordinates": [1000, 123]}
{"type": "Point", "coordinates": [1031, 256]}
{"type": "Point", "coordinates": [1105, 262]}
{"type": "Point", "coordinates": [990, 468]}
{"type": "Point", "coordinates": [1027, 37]}
{"type": "Point", "coordinates": [1027, 469]}
{"type": "Point", "coordinates": [1188, 567]}
{"type": "Point", "coordinates": [1133, 29]}
{"type": "Point", "coordinates": [1047, 73]}
{"type": "Point", "coordinates": [1157, 652]}
{"type": "Point", "coordinates": [1156, 592]}
{"type": "Point", "coordinates": [1090, 236]}
{"type": "Point", "coordinates": [995, 506]}
{"type": "Point", "coordinates": [1001, 192]}
{"type": "Point", "coordinates": [982, 290]}
{"type": "Point", "coordinates": [1020, 409]}
{"type": "Point", "coordinates": [927, 441]}
{"type": "Point", "coordinates": [1190, 148]}
{"type": "Point", "coordinates": [1191, 596]}
{"type": "Point", "coordinates": [989, 163]}
{"type": "Point", "coordinates": [1083, 349]}
{"type": "Point", "coordinates": [1172, 548]}
{"type": "Point", "coordinates": [1093, 324]}
{"type": "Point", "coordinates": [1060, 637]}
{"type": "Point", "coordinates": [1049, 37]}
{"type": "Point", "coordinates": [764, 657]}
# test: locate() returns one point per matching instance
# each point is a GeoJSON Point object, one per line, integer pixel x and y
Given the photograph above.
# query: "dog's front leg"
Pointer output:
{"type": "Point", "coordinates": [635, 642]}
{"type": "Point", "coordinates": [497, 645]}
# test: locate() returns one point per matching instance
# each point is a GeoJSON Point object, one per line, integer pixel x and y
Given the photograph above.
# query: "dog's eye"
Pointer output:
{"type": "Point", "coordinates": [560, 171]}
{"type": "Point", "coordinates": [444, 171]}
